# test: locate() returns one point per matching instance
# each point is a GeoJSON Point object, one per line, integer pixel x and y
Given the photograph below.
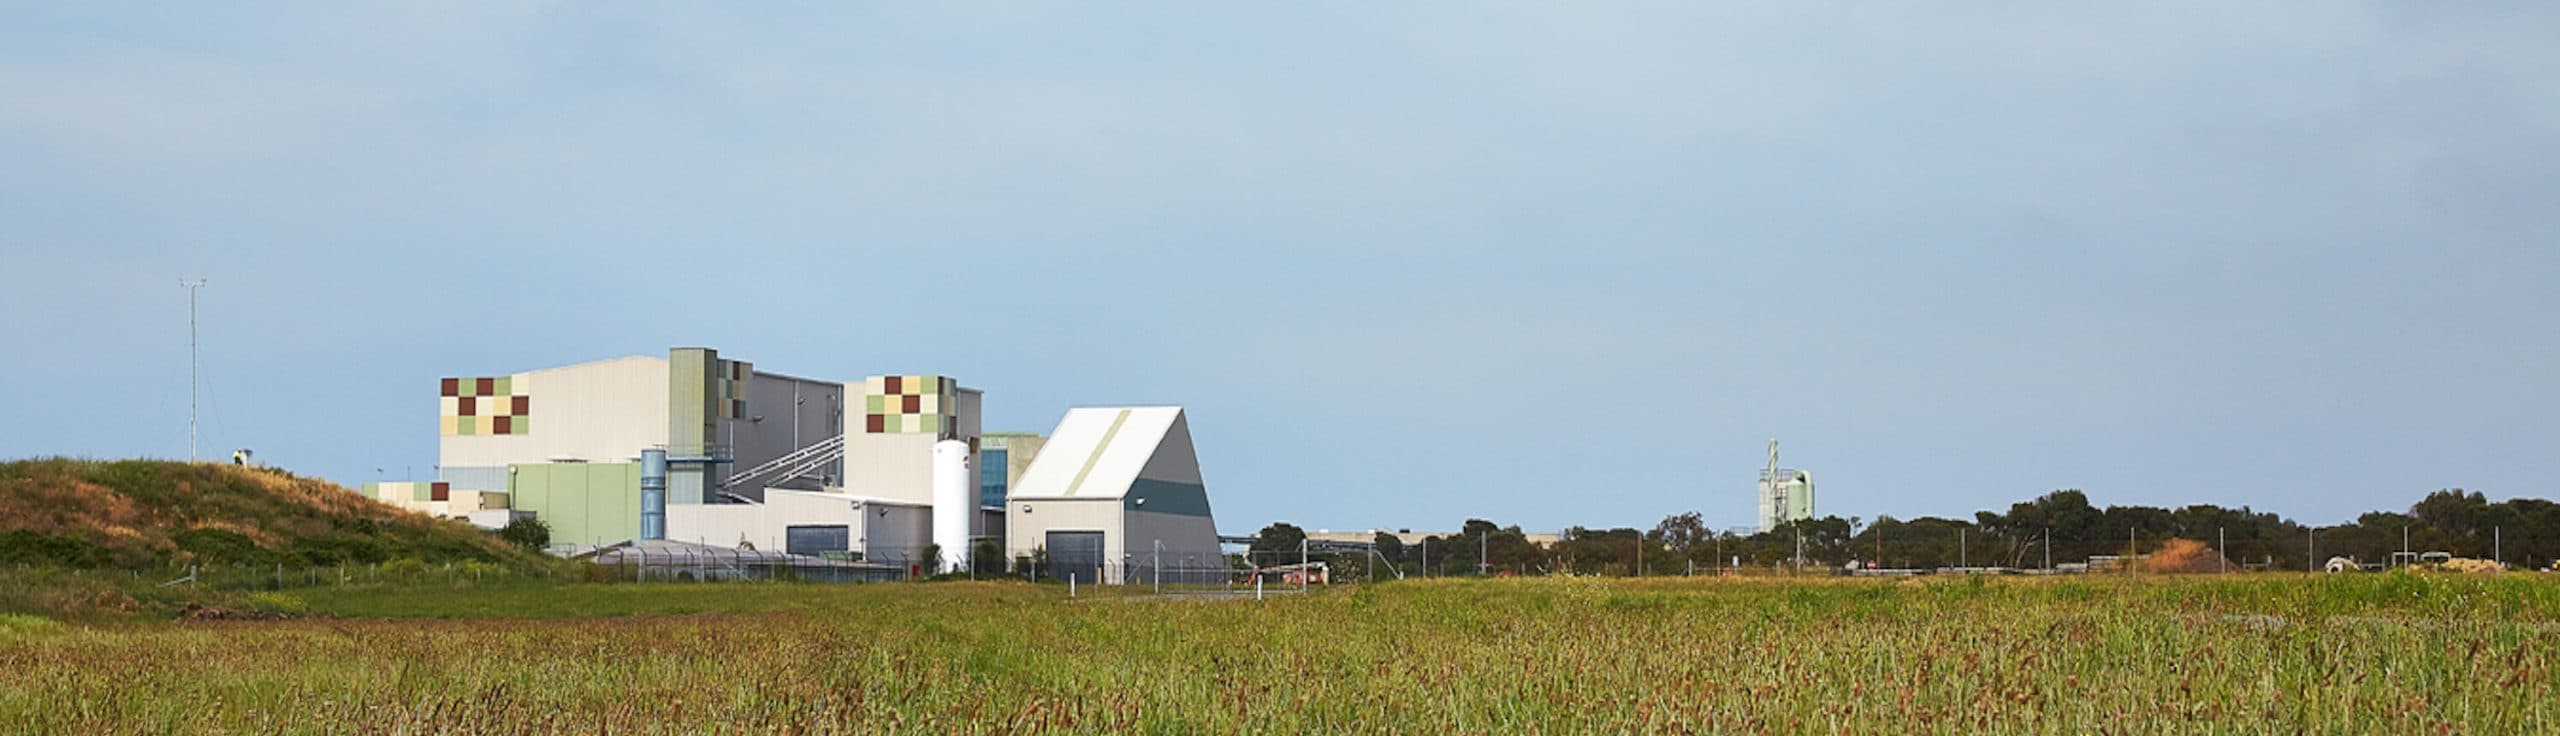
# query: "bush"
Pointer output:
{"type": "Point", "coordinates": [267, 601]}
{"type": "Point", "coordinates": [26, 547]}
{"type": "Point", "coordinates": [333, 549]}
{"type": "Point", "coordinates": [527, 532]}
{"type": "Point", "coordinates": [405, 568]}
{"type": "Point", "coordinates": [221, 545]}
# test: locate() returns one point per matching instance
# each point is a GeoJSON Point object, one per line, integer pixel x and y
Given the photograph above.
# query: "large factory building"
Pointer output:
{"type": "Point", "coordinates": [1113, 494]}
{"type": "Point", "coordinates": [701, 449]}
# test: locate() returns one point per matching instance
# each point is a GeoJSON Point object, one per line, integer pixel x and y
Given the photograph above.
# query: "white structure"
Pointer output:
{"type": "Point", "coordinates": [952, 510]}
{"type": "Point", "coordinates": [1786, 494]}
{"type": "Point", "coordinates": [810, 523]}
{"type": "Point", "coordinates": [691, 402]}
{"type": "Point", "coordinates": [1111, 488]}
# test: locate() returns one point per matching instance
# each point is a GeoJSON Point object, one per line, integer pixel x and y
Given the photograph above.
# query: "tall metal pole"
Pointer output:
{"type": "Point", "coordinates": [1302, 564]}
{"type": "Point", "coordinates": [2048, 549]}
{"type": "Point", "coordinates": [2498, 546]}
{"type": "Point", "coordinates": [1961, 560]}
{"type": "Point", "coordinates": [2310, 549]}
{"type": "Point", "coordinates": [2219, 551]}
{"type": "Point", "coordinates": [191, 285]}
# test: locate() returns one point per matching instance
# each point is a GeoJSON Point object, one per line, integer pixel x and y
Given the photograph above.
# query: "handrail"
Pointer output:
{"type": "Point", "coordinates": [797, 462]}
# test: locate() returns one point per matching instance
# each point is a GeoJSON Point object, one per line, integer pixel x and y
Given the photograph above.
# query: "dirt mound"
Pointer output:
{"type": "Point", "coordinates": [2471, 565]}
{"type": "Point", "coordinates": [2185, 556]}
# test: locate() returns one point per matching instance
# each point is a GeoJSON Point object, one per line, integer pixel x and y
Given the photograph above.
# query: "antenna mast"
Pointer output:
{"type": "Point", "coordinates": [1776, 492]}
{"type": "Point", "coordinates": [191, 285]}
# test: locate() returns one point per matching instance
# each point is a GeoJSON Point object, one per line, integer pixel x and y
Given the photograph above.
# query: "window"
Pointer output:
{"type": "Point", "coordinates": [991, 472]}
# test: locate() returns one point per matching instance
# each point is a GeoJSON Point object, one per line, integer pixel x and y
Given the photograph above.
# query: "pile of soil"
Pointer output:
{"type": "Point", "coordinates": [2471, 565]}
{"type": "Point", "coordinates": [2186, 556]}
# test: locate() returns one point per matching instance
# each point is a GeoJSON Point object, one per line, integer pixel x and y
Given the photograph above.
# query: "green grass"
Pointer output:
{"type": "Point", "coordinates": [2254, 654]}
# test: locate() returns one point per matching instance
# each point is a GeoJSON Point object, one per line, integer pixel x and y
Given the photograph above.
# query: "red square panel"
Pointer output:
{"type": "Point", "coordinates": [487, 386]}
{"type": "Point", "coordinates": [522, 406]}
{"type": "Point", "coordinates": [914, 404]}
{"type": "Point", "coordinates": [467, 406]}
{"type": "Point", "coordinates": [891, 385]}
{"type": "Point", "coordinates": [502, 425]}
{"type": "Point", "coordinates": [876, 424]}
{"type": "Point", "coordinates": [451, 387]}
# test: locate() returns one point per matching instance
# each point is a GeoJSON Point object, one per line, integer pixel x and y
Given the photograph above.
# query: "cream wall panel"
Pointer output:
{"type": "Point", "coordinates": [1025, 530]}
{"type": "Point", "coordinates": [891, 466]}
{"type": "Point", "coordinates": [606, 411]}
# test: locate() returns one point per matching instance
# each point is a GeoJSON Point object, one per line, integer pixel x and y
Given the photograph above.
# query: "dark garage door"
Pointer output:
{"type": "Point", "coordinates": [1075, 555]}
{"type": "Point", "coordinates": [810, 540]}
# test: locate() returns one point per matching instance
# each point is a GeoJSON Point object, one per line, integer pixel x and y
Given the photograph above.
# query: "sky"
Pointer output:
{"type": "Point", "coordinates": [1550, 264]}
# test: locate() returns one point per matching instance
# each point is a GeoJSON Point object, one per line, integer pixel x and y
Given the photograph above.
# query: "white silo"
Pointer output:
{"type": "Point", "coordinates": [951, 509]}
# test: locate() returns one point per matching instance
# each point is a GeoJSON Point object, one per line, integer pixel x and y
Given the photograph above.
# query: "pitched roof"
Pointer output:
{"type": "Point", "coordinates": [1103, 452]}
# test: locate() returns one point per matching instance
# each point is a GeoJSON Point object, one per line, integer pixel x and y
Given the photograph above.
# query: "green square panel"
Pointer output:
{"type": "Point", "coordinates": [874, 403]}
{"type": "Point", "coordinates": [890, 423]}
{"type": "Point", "coordinates": [498, 386]}
{"type": "Point", "coordinates": [929, 423]}
{"type": "Point", "coordinates": [520, 425]}
{"type": "Point", "coordinates": [466, 426]}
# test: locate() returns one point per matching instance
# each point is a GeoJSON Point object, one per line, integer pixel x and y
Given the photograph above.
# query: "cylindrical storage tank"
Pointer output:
{"type": "Point", "coordinates": [951, 509]}
{"type": "Point", "coordinates": [653, 494]}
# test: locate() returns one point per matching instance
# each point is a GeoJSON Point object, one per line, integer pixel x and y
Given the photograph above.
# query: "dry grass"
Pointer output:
{"type": "Point", "coordinates": [2367, 654]}
{"type": "Point", "coordinates": [134, 513]}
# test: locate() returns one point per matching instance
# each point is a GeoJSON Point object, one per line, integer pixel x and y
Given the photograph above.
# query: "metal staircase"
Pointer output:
{"type": "Point", "coordinates": [793, 465]}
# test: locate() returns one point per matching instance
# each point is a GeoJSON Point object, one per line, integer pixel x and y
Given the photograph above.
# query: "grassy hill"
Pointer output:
{"type": "Point", "coordinates": [133, 513]}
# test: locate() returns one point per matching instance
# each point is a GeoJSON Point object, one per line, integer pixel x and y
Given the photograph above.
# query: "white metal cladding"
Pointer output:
{"type": "Point", "coordinates": [1097, 453]}
{"type": "Point", "coordinates": [604, 411]}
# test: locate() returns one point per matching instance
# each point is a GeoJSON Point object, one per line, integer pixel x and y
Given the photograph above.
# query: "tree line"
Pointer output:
{"type": "Point", "coordinates": [2057, 528]}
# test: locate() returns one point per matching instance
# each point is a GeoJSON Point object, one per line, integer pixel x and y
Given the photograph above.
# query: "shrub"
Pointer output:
{"type": "Point", "coordinates": [26, 547]}
{"type": "Point", "coordinates": [405, 568]}
{"type": "Point", "coordinates": [220, 545]}
{"type": "Point", "coordinates": [527, 532]}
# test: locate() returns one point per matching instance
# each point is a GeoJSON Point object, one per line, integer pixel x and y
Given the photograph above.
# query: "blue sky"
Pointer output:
{"type": "Point", "coordinates": [1550, 264]}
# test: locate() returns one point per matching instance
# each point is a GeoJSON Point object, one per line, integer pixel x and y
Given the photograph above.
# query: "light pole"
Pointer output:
{"type": "Point", "coordinates": [191, 285]}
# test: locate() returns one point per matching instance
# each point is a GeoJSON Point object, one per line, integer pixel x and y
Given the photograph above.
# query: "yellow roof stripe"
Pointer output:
{"type": "Point", "coordinates": [1098, 447]}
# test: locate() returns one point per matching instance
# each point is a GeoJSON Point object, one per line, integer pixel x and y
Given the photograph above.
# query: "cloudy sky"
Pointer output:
{"type": "Point", "coordinates": [1551, 264]}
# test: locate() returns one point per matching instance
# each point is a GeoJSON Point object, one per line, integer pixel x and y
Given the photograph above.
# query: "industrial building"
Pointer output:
{"type": "Point", "coordinates": [1786, 494]}
{"type": "Point", "coordinates": [701, 449]}
{"type": "Point", "coordinates": [1115, 495]}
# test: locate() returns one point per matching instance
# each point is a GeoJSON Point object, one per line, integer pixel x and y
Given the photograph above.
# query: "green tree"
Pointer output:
{"type": "Point", "coordinates": [1277, 544]}
{"type": "Point", "coordinates": [527, 532]}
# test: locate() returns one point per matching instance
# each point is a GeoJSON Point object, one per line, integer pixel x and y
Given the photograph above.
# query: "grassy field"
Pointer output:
{"type": "Point", "coordinates": [2396, 654]}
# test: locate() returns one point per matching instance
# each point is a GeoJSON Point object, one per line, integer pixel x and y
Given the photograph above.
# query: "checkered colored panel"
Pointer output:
{"type": "Point", "coordinates": [486, 406]}
{"type": "Point", "coordinates": [911, 405]}
{"type": "Point", "coordinates": [730, 398]}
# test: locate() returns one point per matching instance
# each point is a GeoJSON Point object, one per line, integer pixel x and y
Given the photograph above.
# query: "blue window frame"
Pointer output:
{"type": "Point", "coordinates": [991, 487]}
